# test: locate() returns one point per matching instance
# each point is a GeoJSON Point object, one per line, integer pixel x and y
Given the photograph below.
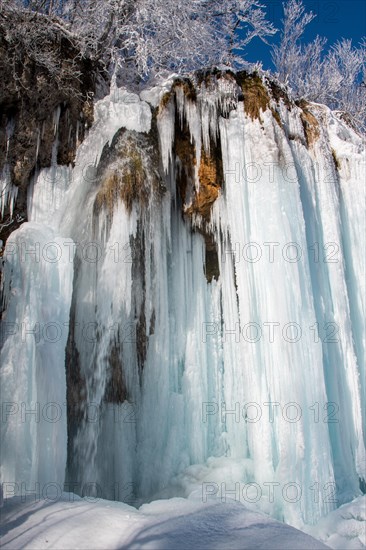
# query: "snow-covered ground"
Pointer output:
{"type": "Point", "coordinates": [177, 523]}
{"type": "Point", "coordinates": [344, 528]}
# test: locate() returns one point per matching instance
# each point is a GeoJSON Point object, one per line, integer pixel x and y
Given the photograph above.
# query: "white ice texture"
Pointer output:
{"type": "Point", "coordinates": [257, 377]}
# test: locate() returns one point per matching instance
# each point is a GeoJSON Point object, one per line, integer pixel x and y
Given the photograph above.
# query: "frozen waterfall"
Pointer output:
{"type": "Point", "coordinates": [219, 350]}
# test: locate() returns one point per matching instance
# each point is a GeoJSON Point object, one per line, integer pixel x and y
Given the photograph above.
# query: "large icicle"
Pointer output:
{"type": "Point", "coordinates": [38, 284]}
{"type": "Point", "coordinates": [331, 255]}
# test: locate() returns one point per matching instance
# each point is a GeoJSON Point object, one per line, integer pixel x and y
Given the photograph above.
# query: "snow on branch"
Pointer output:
{"type": "Point", "coordinates": [142, 39]}
{"type": "Point", "coordinates": [336, 77]}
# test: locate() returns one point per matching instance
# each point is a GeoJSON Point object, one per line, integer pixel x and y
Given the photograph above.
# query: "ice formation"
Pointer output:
{"type": "Point", "coordinates": [249, 381]}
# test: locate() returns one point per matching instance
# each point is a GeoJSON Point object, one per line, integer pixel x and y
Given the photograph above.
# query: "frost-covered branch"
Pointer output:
{"type": "Point", "coordinates": [334, 77]}
{"type": "Point", "coordinates": [286, 55]}
{"type": "Point", "coordinates": [143, 39]}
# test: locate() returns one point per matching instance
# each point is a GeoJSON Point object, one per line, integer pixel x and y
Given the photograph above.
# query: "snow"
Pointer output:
{"type": "Point", "coordinates": [71, 522]}
{"type": "Point", "coordinates": [154, 95]}
{"type": "Point", "coordinates": [122, 109]}
{"type": "Point", "coordinates": [344, 528]}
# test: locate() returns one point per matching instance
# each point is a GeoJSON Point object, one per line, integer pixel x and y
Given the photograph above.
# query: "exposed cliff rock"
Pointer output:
{"type": "Point", "coordinates": [211, 179]}
{"type": "Point", "coordinates": [133, 176]}
{"type": "Point", "coordinates": [46, 102]}
{"type": "Point", "coordinates": [309, 122]}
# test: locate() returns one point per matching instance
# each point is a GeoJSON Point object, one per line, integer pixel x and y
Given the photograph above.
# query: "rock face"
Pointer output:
{"type": "Point", "coordinates": [129, 171]}
{"type": "Point", "coordinates": [46, 103]}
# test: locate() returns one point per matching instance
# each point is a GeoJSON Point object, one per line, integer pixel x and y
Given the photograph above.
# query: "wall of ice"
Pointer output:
{"type": "Point", "coordinates": [251, 383]}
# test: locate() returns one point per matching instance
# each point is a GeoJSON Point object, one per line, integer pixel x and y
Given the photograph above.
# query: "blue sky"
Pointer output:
{"type": "Point", "coordinates": [335, 19]}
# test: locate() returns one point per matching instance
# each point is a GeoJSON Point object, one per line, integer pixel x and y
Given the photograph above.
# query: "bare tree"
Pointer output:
{"type": "Point", "coordinates": [287, 54]}
{"type": "Point", "coordinates": [333, 77]}
{"type": "Point", "coordinates": [238, 22]}
{"type": "Point", "coordinates": [345, 67]}
{"type": "Point", "coordinates": [145, 38]}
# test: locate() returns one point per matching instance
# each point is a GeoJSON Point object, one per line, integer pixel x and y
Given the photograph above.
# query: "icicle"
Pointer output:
{"type": "Point", "coordinates": [166, 127]}
{"type": "Point", "coordinates": [180, 101]}
{"type": "Point", "coordinates": [209, 103]}
{"type": "Point", "coordinates": [77, 133]}
{"type": "Point", "coordinates": [46, 193]}
{"type": "Point", "coordinates": [9, 134]}
{"type": "Point", "coordinates": [228, 94]}
{"type": "Point", "coordinates": [38, 142]}
{"type": "Point", "coordinates": [217, 96]}
{"type": "Point", "coordinates": [38, 294]}
{"type": "Point", "coordinates": [8, 192]}
{"type": "Point", "coordinates": [4, 189]}
{"type": "Point", "coordinates": [12, 198]}
{"type": "Point", "coordinates": [56, 119]}
{"type": "Point", "coordinates": [69, 137]}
